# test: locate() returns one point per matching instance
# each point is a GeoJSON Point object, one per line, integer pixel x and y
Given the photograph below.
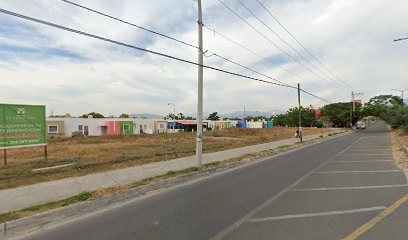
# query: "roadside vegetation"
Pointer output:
{"type": "Point", "coordinates": [389, 108]}
{"type": "Point", "coordinates": [98, 154]}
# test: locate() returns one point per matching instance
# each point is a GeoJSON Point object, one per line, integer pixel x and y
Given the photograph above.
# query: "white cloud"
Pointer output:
{"type": "Point", "coordinates": [72, 73]}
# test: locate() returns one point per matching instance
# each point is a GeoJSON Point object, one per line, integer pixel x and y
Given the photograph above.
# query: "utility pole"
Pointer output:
{"type": "Point", "coordinates": [353, 109]}
{"type": "Point", "coordinates": [199, 139]}
{"type": "Point", "coordinates": [300, 116]}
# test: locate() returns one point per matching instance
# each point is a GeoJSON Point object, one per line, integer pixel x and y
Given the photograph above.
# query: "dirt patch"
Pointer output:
{"type": "Point", "coordinates": [400, 147]}
{"type": "Point", "coordinates": [98, 154]}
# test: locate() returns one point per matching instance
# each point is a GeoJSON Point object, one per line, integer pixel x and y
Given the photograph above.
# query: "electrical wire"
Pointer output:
{"type": "Point", "coordinates": [286, 43]}
{"type": "Point", "coordinates": [128, 23]}
{"type": "Point", "coordinates": [269, 40]}
{"type": "Point", "coordinates": [274, 79]}
{"type": "Point", "coordinates": [257, 54]}
{"type": "Point", "coordinates": [312, 55]}
{"type": "Point", "coordinates": [142, 49]}
{"type": "Point", "coordinates": [143, 28]}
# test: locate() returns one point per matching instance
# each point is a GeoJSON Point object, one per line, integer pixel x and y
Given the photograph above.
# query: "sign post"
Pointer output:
{"type": "Point", "coordinates": [22, 126]}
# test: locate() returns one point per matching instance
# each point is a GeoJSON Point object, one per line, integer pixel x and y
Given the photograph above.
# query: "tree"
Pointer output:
{"type": "Point", "coordinates": [378, 105]}
{"type": "Point", "coordinates": [307, 117]}
{"type": "Point", "coordinates": [337, 114]}
{"type": "Point", "coordinates": [93, 114]}
{"type": "Point", "coordinates": [213, 116]}
{"type": "Point", "coordinates": [124, 115]}
{"type": "Point", "coordinates": [279, 120]}
{"type": "Point", "coordinates": [179, 116]}
{"type": "Point", "coordinates": [256, 118]}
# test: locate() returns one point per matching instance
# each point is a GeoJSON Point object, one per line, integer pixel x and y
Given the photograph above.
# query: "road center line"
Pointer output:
{"type": "Point", "coordinates": [318, 214]}
{"type": "Point", "coordinates": [350, 188]}
{"type": "Point", "coordinates": [367, 226]}
{"type": "Point", "coordinates": [368, 154]}
{"type": "Point", "coordinates": [364, 161]}
{"type": "Point", "coordinates": [371, 171]}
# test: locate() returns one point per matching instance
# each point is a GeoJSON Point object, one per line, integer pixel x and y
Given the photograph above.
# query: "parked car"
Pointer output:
{"type": "Point", "coordinates": [360, 125]}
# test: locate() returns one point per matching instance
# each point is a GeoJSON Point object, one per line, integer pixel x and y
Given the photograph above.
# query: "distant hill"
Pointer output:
{"type": "Point", "coordinates": [146, 115]}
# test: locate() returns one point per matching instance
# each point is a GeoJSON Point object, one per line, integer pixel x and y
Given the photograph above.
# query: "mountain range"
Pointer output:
{"type": "Point", "coordinates": [238, 114]}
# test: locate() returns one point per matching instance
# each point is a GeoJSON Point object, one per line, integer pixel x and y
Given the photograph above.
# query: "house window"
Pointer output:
{"type": "Point", "coordinates": [161, 126]}
{"type": "Point", "coordinates": [52, 128]}
{"type": "Point", "coordinates": [126, 127]}
{"type": "Point", "coordinates": [80, 128]}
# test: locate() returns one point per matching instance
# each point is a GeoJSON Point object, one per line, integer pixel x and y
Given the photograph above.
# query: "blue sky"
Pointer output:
{"type": "Point", "coordinates": [74, 74]}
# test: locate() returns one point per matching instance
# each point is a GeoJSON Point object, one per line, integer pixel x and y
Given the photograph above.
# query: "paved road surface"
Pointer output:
{"type": "Point", "coordinates": [325, 191]}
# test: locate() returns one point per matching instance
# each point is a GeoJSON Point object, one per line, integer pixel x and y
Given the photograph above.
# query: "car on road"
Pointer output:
{"type": "Point", "coordinates": [360, 125]}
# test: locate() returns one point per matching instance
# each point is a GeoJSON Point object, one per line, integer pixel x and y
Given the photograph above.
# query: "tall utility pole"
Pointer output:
{"type": "Point", "coordinates": [300, 115]}
{"type": "Point", "coordinates": [402, 93]}
{"type": "Point", "coordinates": [353, 108]}
{"type": "Point", "coordinates": [199, 140]}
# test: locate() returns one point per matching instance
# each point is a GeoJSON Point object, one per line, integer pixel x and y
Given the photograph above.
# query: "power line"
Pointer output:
{"type": "Point", "coordinates": [312, 55]}
{"type": "Point", "coordinates": [255, 53]}
{"type": "Point", "coordinates": [160, 34]}
{"type": "Point", "coordinates": [139, 48]}
{"type": "Point", "coordinates": [134, 25]}
{"type": "Point", "coordinates": [138, 26]}
{"type": "Point", "coordinates": [286, 43]}
{"type": "Point", "coordinates": [247, 68]}
{"type": "Point", "coordinates": [128, 23]}
{"type": "Point", "coordinates": [269, 40]}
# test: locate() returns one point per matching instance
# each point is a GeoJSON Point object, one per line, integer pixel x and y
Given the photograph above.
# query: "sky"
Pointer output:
{"type": "Point", "coordinates": [70, 73]}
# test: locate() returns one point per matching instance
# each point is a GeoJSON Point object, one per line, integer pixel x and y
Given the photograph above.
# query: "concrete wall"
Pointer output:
{"type": "Point", "coordinates": [254, 124]}
{"type": "Point", "coordinates": [160, 126]}
{"type": "Point", "coordinates": [59, 124]}
{"type": "Point", "coordinates": [94, 125]}
{"type": "Point", "coordinates": [144, 125]}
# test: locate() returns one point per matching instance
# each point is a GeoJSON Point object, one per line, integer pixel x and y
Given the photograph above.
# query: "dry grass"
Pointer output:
{"type": "Point", "coordinates": [400, 147]}
{"type": "Point", "coordinates": [97, 154]}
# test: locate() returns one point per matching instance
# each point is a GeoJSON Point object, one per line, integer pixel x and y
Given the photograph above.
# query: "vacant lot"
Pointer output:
{"type": "Point", "coordinates": [96, 154]}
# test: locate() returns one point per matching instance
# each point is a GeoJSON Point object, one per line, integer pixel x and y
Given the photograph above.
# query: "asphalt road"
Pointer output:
{"type": "Point", "coordinates": [324, 191]}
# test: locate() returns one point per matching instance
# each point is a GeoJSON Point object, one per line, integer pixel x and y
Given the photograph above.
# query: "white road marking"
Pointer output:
{"type": "Point", "coordinates": [252, 213]}
{"type": "Point", "coordinates": [350, 188]}
{"type": "Point", "coordinates": [369, 146]}
{"type": "Point", "coordinates": [364, 161]}
{"type": "Point", "coordinates": [318, 214]}
{"type": "Point", "coordinates": [371, 171]}
{"type": "Point", "coordinates": [368, 154]}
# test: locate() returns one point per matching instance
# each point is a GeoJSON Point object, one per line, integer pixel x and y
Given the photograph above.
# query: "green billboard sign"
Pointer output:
{"type": "Point", "coordinates": [22, 126]}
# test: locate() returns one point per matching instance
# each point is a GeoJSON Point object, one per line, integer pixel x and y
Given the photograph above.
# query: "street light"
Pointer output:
{"type": "Point", "coordinates": [174, 109]}
{"type": "Point", "coordinates": [402, 93]}
{"type": "Point", "coordinates": [400, 39]}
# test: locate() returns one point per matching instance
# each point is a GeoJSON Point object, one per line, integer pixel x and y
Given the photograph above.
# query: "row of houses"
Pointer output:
{"type": "Point", "coordinates": [69, 127]}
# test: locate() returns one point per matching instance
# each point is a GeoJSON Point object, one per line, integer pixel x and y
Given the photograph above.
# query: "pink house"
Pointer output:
{"type": "Point", "coordinates": [113, 127]}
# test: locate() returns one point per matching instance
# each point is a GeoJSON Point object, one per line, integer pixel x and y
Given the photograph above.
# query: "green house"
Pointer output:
{"type": "Point", "coordinates": [126, 128]}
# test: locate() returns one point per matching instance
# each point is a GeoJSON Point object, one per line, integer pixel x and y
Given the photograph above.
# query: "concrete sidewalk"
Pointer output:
{"type": "Point", "coordinates": [27, 196]}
